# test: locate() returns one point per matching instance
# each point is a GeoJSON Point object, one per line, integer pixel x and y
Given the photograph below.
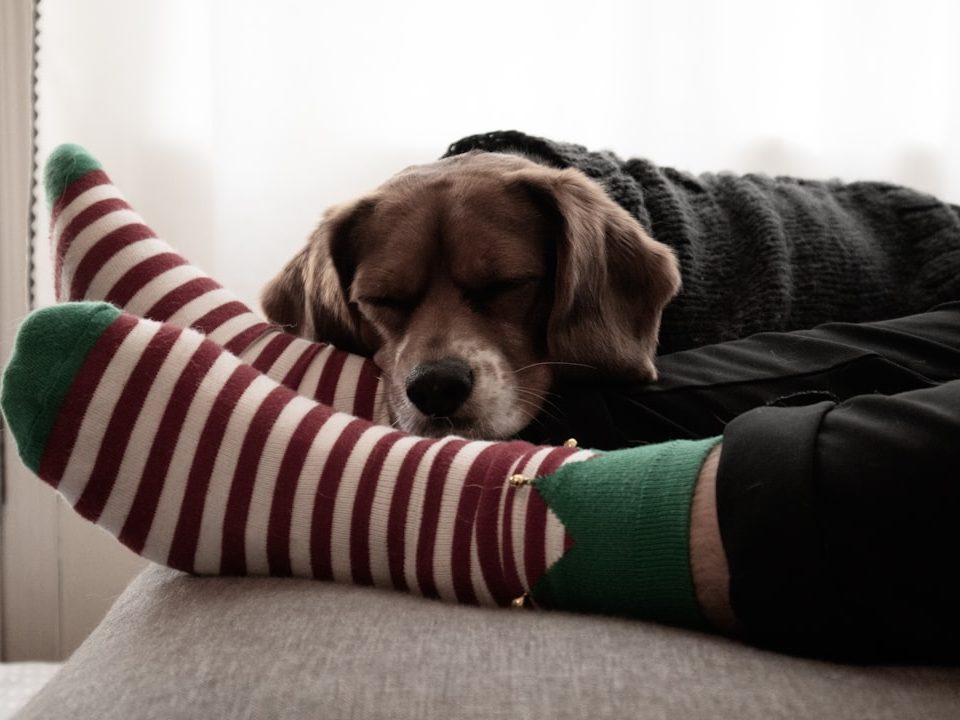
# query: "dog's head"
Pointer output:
{"type": "Point", "coordinates": [476, 281]}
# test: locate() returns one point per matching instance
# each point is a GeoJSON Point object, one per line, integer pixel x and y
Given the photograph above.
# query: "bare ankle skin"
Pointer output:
{"type": "Point", "coordinates": [708, 561]}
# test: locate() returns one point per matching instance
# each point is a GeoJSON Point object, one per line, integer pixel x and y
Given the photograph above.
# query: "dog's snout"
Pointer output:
{"type": "Point", "coordinates": [439, 388]}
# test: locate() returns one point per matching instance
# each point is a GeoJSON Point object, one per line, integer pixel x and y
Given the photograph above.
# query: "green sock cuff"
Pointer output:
{"type": "Point", "coordinates": [628, 514]}
{"type": "Point", "coordinates": [51, 345]}
{"type": "Point", "coordinates": [65, 165]}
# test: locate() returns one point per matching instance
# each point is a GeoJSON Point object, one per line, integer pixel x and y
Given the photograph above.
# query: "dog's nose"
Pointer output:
{"type": "Point", "coordinates": [439, 388]}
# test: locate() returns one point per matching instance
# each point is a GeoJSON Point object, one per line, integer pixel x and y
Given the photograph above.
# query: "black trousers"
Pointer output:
{"type": "Point", "coordinates": [838, 491]}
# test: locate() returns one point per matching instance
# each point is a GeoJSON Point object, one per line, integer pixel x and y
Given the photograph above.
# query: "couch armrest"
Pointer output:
{"type": "Point", "coordinates": [175, 646]}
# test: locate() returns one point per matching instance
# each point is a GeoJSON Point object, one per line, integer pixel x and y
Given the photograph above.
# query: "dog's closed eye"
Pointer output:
{"type": "Point", "coordinates": [386, 313]}
{"type": "Point", "coordinates": [388, 302]}
{"type": "Point", "coordinates": [480, 299]}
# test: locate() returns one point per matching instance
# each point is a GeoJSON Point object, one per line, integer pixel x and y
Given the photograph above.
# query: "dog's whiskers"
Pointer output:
{"type": "Point", "coordinates": [539, 409]}
{"type": "Point", "coordinates": [554, 362]}
{"type": "Point", "coordinates": [531, 418]}
{"type": "Point", "coordinates": [539, 396]}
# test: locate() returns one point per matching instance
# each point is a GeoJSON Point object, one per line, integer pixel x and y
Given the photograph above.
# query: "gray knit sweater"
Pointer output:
{"type": "Point", "coordinates": [772, 254]}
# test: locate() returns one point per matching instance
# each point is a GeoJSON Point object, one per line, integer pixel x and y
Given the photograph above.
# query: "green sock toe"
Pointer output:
{"type": "Point", "coordinates": [65, 165]}
{"type": "Point", "coordinates": [51, 346]}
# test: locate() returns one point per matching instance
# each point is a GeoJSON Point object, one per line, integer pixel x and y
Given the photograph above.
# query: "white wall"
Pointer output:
{"type": "Point", "coordinates": [231, 124]}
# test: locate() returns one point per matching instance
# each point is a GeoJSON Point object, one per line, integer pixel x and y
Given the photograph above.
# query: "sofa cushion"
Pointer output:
{"type": "Point", "coordinates": [176, 646]}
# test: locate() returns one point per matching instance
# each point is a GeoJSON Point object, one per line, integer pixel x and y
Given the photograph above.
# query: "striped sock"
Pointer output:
{"type": "Point", "coordinates": [104, 251]}
{"type": "Point", "coordinates": [197, 461]}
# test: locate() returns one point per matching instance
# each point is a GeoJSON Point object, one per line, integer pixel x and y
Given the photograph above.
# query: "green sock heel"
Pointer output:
{"type": "Point", "coordinates": [628, 513]}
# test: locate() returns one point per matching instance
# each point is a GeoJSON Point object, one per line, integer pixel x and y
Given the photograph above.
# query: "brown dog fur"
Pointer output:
{"type": "Point", "coordinates": [524, 272]}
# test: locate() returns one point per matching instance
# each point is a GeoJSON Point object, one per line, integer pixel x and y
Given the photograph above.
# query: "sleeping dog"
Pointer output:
{"type": "Point", "coordinates": [478, 281]}
{"type": "Point", "coordinates": [473, 281]}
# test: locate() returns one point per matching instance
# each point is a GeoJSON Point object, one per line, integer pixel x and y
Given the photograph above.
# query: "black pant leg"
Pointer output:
{"type": "Point", "coordinates": [841, 524]}
{"type": "Point", "coordinates": [699, 391]}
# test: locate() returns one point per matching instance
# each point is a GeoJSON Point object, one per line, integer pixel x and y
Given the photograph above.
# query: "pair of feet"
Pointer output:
{"type": "Point", "coordinates": [172, 415]}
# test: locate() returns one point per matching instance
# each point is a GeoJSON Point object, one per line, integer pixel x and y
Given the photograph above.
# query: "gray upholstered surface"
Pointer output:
{"type": "Point", "coordinates": [180, 647]}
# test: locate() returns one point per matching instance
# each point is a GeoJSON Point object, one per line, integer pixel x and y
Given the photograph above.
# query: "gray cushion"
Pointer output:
{"type": "Point", "coordinates": [175, 646]}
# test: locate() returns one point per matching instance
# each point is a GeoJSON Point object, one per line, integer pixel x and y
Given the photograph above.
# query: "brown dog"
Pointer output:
{"type": "Point", "coordinates": [474, 282]}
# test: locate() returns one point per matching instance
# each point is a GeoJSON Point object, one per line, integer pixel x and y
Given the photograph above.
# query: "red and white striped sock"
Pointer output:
{"type": "Point", "coordinates": [103, 250]}
{"type": "Point", "coordinates": [197, 461]}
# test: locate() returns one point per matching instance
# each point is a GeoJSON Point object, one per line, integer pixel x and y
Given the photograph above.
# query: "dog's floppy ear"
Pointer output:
{"type": "Point", "coordinates": [309, 296]}
{"type": "Point", "coordinates": [612, 279]}
{"type": "Point", "coordinates": [283, 298]}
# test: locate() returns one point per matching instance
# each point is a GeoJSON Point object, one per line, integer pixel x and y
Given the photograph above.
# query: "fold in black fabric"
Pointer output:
{"type": "Point", "coordinates": [700, 391]}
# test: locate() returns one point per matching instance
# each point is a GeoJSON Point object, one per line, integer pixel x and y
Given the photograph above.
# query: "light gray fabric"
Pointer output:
{"type": "Point", "coordinates": [176, 646]}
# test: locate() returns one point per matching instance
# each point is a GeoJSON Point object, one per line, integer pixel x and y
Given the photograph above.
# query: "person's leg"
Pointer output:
{"type": "Point", "coordinates": [700, 391]}
{"type": "Point", "coordinates": [103, 250]}
{"type": "Point", "coordinates": [197, 461]}
{"type": "Point", "coordinates": [840, 524]}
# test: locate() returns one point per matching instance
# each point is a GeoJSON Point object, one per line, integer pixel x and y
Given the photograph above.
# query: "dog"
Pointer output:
{"type": "Point", "coordinates": [475, 283]}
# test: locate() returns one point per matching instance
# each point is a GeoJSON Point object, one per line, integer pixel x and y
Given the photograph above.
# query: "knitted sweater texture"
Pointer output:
{"type": "Point", "coordinates": [761, 253]}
